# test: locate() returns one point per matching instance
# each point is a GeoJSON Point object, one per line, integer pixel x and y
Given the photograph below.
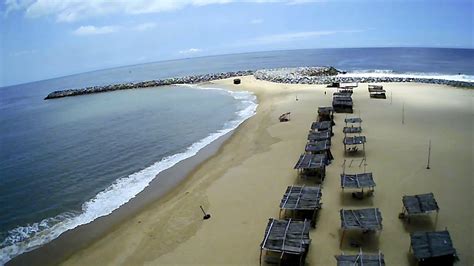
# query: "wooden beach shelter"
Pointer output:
{"type": "Point", "coordinates": [320, 147]}
{"type": "Point", "coordinates": [326, 114]}
{"type": "Point", "coordinates": [353, 120]}
{"type": "Point", "coordinates": [422, 204]}
{"type": "Point", "coordinates": [319, 136]}
{"type": "Point", "coordinates": [365, 220]}
{"type": "Point", "coordinates": [353, 142]}
{"type": "Point", "coordinates": [352, 130]}
{"type": "Point", "coordinates": [361, 259]}
{"type": "Point", "coordinates": [301, 202]}
{"type": "Point", "coordinates": [342, 104]}
{"type": "Point", "coordinates": [321, 126]}
{"type": "Point", "coordinates": [358, 181]}
{"type": "Point", "coordinates": [433, 248]}
{"type": "Point", "coordinates": [286, 242]}
{"type": "Point", "coordinates": [312, 165]}
{"type": "Point", "coordinates": [377, 91]}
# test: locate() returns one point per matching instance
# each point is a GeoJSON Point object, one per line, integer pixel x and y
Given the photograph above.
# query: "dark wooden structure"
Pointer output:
{"type": "Point", "coordinates": [333, 85]}
{"type": "Point", "coordinates": [320, 147]}
{"type": "Point", "coordinates": [354, 141]}
{"type": "Point", "coordinates": [326, 114]}
{"type": "Point", "coordinates": [286, 242]}
{"type": "Point", "coordinates": [301, 202]}
{"type": "Point", "coordinates": [319, 135]}
{"type": "Point", "coordinates": [358, 181]}
{"type": "Point", "coordinates": [322, 126]}
{"type": "Point", "coordinates": [421, 204]}
{"type": "Point", "coordinates": [352, 130]}
{"type": "Point", "coordinates": [365, 220]}
{"type": "Point", "coordinates": [377, 91]}
{"type": "Point", "coordinates": [433, 248]}
{"type": "Point", "coordinates": [312, 165]}
{"type": "Point", "coordinates": [342, 104]}
{"type": "Point", "coordinates": [361, 259]}
{"type": "Point", "coordinates": [353, 120]}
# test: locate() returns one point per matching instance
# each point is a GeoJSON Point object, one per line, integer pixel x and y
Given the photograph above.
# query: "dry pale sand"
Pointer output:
{"type": "Point", "coordinates": [241, 186]}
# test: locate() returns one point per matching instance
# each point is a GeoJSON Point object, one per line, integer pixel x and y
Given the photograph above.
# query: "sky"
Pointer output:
{"type": "Point", "coordinates": [43, 39]}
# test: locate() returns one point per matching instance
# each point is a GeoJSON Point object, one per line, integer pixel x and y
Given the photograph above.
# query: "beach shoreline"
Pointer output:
{"type": "Point", "coordinates": [242, 184]}
{"type": "Point", "coordinates": [80, 237]}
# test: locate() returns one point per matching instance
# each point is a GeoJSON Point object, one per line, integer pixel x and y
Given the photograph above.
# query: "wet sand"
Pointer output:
{"type": "Point", "coordinates": [242, 184]}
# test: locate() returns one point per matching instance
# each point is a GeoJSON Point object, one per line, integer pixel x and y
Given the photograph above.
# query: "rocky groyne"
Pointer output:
{"type": "Point", "coordinates": [314, 75]}
{"type": "Point", "coordinates": [146, 84]}
{"type": "Point", "coordinates": [299, 75]}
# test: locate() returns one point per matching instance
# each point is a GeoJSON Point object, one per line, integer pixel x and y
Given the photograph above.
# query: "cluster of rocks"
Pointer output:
{"type": "Point", "coordinates": [146, 84]}
{"type": "Point", "coordinates": [328, 75]}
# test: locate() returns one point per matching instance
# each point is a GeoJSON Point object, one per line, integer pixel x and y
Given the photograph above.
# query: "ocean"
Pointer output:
{"type": "Point", "coordinates": [66, 162]}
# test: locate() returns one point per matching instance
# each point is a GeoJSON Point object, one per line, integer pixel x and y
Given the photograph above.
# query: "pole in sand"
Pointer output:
{"type": "Point", "coordinates": [429, 155]}
{"type": "Point", "coordinates": [403, 114]}
{"type": "Point", "coordinates": [206, 215]}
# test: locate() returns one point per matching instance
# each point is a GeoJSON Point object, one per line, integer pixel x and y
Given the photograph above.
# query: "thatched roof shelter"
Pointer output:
{"type": "Point", "coordinates": [326, 114]}
{"type": "Point", "coordinates": [320, 147]}
{"type": "Point", "coordinates": [377, 91]}
{"type": "Point", "coordinates": [352, 130]}
{"type": "Point", "coordinates": [352, 120]}
{"type": "Point", "coordinates": [312, 165]}
{"type": "Point", "coordinates": [355, 140]}
{"type": "Point", "coordinates": [321, 126]}
{"type": "Point", "coordinates": [325, 110]}
{"type": "Point", "coordinates": [364, 180]}
{"type": "Point", "coordinates": [420, 204]}
{"type": "Point", "coordinates": [301, 198]}
{"type": "Point", "coordinates": [366, 220]}
{"type": "Point", "coordinates": [344, 94]}
{"type": "Point", "coordinates": [373, 88]}
{"type": "Point", "coordinates": [301, 202]}
{"type": "Point", "coordinates": [362, 219]}
{"type": "Point", "coordinates": [319, 135]}
{"type": "Point", "coordinates": [433, 247]}
{"type": "Point", "coordinates": [286, 237]}
{"type": "Point", "coordinates": [311, 161]}
{"type": "Point", "coordinates": [361, 259]}
{"type": "Point", "coordinates": [342, 104]}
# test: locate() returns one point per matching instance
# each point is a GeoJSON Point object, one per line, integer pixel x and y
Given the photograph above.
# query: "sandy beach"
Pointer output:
{"type": "Point", "coordinates": [242, 184]}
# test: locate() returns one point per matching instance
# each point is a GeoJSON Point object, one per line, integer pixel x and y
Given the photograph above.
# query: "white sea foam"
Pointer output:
{"type": "Point", "coordinates": [378, 73]}
{"type": "Point", "coordinates": [26, 238]}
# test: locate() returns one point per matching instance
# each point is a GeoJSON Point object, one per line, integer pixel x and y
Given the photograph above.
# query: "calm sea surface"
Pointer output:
{"type": "Point", "coordinates": [68, 161]}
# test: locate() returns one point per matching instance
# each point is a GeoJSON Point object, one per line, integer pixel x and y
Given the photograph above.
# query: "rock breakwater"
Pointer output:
{"type": "Point", "coordinates": [306, 75]}
{"type": "Point", "coordinates": [146, 84]}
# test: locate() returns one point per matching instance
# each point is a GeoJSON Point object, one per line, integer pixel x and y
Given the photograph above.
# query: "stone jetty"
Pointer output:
{"type": "Point", "coordinates": [298, 75]}
{"type": "Point", "coordinates": [328, 75]}
{"type": "Point", "coordinates": [146, 84]}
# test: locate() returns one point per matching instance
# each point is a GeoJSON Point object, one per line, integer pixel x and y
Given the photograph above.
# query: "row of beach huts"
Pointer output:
{"type": "Point", "coordinates": [286, 240]}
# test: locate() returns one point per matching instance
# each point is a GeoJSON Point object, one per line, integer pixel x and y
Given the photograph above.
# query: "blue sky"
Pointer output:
{"type": "Point", "coordinates": [42, 39]}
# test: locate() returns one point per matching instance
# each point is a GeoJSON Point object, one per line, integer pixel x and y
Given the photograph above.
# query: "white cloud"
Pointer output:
{"type": "Point", "coordinates": [190, 51]}
{"type": "Point", "coordinates": [256, 21]}
{"type": "Point", "coordinates": [73, 10]}
{"type": "Point", "coordinates": [93, 30]}
{"type": "Point", "coordinates": [23, 52]}
{"type": "Point", "coordinates": [144, 26]}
